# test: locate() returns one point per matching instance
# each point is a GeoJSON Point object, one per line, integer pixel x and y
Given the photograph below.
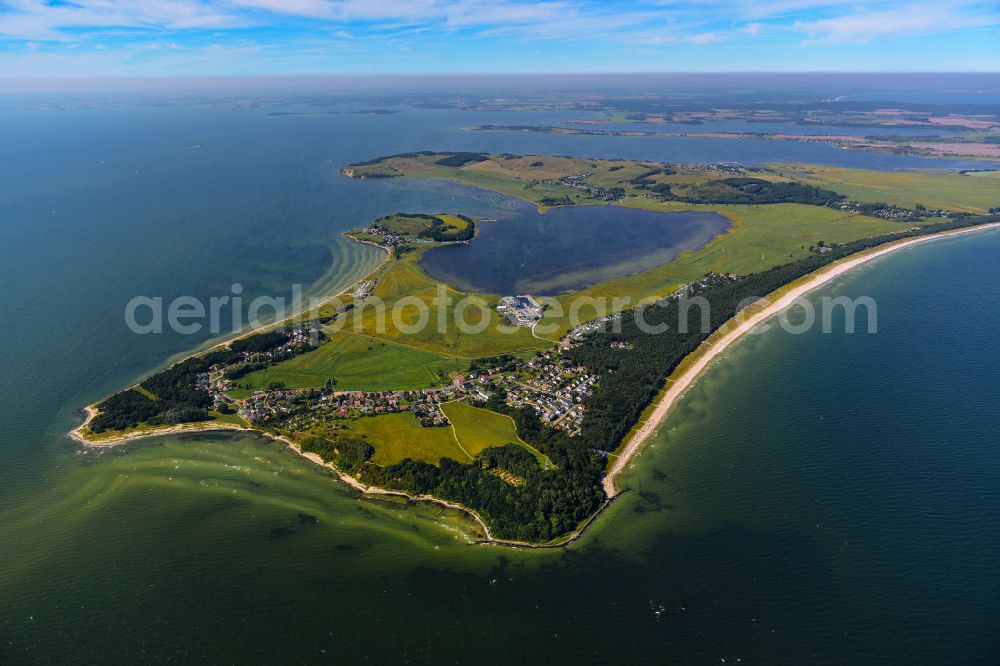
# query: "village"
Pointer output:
{"type": "Point", "coordinates": [384, 237]}
{"type": "Point", "coordinates": [554, 388]}
{"type": "Point", "coordinates": [305, 408]}
{"type": "Point", "coordinates": [578, 182]}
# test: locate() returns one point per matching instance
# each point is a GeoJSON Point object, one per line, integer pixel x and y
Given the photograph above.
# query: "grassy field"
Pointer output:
{"type": "Point", "coordinates": [403, 285]}
{"type": "Point", "coordinates": [453, 222]}
{"type": "Point", "coordinates": [405, 224]}
{"type": "Point", "coordinates": [358, 363]}
{"type": "Point", "coordinates": [766, 236]}
{"type": "Point", "coordinates": [974, 192]}
{"type": "Point", "coordinates": [399, 435]}
{"type": "Point", "coordinates": [478, 429]}
{"type": "Point", "coordinates": [513, 175]}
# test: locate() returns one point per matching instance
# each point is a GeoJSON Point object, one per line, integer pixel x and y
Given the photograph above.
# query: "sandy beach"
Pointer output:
{"type": "Point", "coordinates": [79, 433]}
{"type": "Point", "coordinates": [680, 382]}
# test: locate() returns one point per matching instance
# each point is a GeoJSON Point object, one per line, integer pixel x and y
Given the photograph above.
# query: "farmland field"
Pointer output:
{"type": "Point", "coordinates": [975, 191]}
{"type": "Point", "coordinates": [358, 362]}
{"type": "Point", "coordinates": [399, 435]}
{"type": "Point", "coordinates": [478, 429]}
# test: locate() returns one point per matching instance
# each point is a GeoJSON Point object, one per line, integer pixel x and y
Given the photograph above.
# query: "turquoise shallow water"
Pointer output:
{"type": "Point", "coordinates": [820, 498]}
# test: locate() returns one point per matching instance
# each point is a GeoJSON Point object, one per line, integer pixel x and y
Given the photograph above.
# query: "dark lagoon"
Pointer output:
{"type": "Point", "coordinates": [568, 248]}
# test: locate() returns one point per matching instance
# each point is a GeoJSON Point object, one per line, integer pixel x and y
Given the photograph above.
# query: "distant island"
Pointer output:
{"type": "Point", "coordinates": [527, 423]}
{"type": "Point", "coordinates": [964, 145]}
{"type": "Point", "coordinates": [361, 112]}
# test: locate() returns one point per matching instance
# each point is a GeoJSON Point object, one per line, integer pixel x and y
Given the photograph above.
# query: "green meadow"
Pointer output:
{"type": "Point", "coordinates": [405, 284]}
{"type": "Point", "coordinates": [973, 191]}
{"type": "Point", "coordinates": [478, 429]}
{"type": "Point", "coordinates": [357, 362]}
{"type": "Point", "coordinates": [399, 435]}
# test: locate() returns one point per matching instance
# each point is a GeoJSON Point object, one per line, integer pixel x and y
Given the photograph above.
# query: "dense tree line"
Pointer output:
{"type": "Point", "coordinates": [549, 504]}
{"type": "Point", "coordinates": [176, 396]}
{"type": "Point", "coordinates": [348, 455]}
{"type": "Point", "coordinates": [448, 158]}
{"type": "Point", "coordinates": [259, 342]}
{"type": "Point", "coordinates": [557, 201]}
{"type": "Point", "coordinates": [376, 160]}
{"type": "Point", "coordinates": [757, 191]}
{"type": "Point", "coordinates": [178, 400]}
{"type": "Point", "coordinates": [461, 159]}
{"type": "Point", "coordinates": [123, 410]}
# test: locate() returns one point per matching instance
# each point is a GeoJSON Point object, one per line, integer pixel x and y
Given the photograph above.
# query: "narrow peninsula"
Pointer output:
{"type": "Point", "coordinates": [523, 410]}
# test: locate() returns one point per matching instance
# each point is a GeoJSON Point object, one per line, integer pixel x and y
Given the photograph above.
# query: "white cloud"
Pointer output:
{"type": "Point", "coordinates": [370, 26]}
{"type": "Point", "coordinates": [706, 38]}
{"type": "Point", "coordinates": [32, 19]}
{"type": "Point", "coordinates": [914, 20]}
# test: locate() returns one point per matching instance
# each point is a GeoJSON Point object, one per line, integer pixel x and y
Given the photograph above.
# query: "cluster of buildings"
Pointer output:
{"type": "Point", "coordinates": [553, 387]}
{"type": "Point", "coordinates": [215, 385]}
{"type": "Point", "coordinates": [310, 407]}
{"type": "Point", "coordinates": [884, 211]}
{"type": "Point", "coordinates": [387, 238]}
{"type": "Point", "coordinates": [520, 310]}
{"type": "Point", "coordinates": [591, 326]}
{"type": "Point", "coordinates": [556, 389]}
{"type": "Point", "coordinates": [578, 182]}
{"type": "Point", "coordinates": [364, 290]}
{"type": "Point", "coordinates": [220, 378]}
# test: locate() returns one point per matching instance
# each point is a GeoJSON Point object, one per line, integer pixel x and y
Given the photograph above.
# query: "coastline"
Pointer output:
{"type": "Point", "coordinates": [366, 491]}
{"type": "Point", "coordinates": [687, 374]}
{"type": "Point", "coordinates": [90, 410]}
{"type": "Point", "coordinates": [684, 376]}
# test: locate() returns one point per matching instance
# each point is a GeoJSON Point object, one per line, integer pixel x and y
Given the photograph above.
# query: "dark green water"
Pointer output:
{"type": "Point", "coordinates": [819, 498]}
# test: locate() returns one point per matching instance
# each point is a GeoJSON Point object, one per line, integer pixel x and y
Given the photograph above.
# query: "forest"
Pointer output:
{"type": "Point", "coordinates": [755, 191]}
{"type": "Point", "coordinates": [172, 396]}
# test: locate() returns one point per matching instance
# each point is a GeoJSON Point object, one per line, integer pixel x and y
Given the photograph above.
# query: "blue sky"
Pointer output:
{"type": "Point", "coordinates": [60, 38]}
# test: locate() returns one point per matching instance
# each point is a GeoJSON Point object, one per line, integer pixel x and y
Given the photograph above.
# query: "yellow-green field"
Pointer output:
{"type": "Point", "coordinates": [399, 435]}
{"type": "Point", "coordinates": [769, 235]}
{"type": "Point", "coordinates": [403, 285]}
{"type": "Point", "coordinates": [453, 222]}
{"type": "Point", "coordinates": [478, 429]}
{"type": "Point", "coordinates": [405, 224]}
{"type": "Point", "coordinates": [358, 363]}
{"type": "Point", "coordinates": [975, 192]}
